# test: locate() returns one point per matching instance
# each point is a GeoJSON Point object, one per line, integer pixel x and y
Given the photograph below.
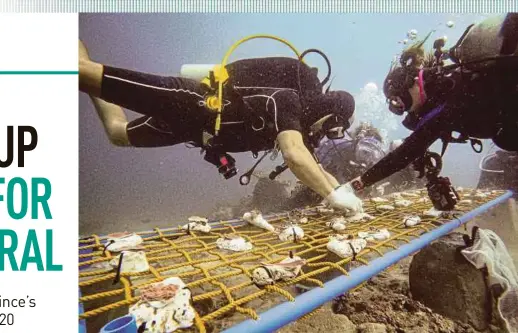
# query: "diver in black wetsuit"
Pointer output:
{"type": "Point", "coordinates": [477, 96]}
{"type": "Point", "coordinates": [268, 104]}
{"type": "Point", "coordinates": [348, 158]}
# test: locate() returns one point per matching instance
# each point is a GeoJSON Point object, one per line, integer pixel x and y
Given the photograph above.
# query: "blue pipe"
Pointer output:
{"type": "Point", "coordinates": [125, 324]}
{"type": "Point", "coordinates": [287, 312]}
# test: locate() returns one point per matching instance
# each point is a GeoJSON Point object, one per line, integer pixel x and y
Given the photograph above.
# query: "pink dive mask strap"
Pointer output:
{"type": "Point", "coordinates": [421, 86]}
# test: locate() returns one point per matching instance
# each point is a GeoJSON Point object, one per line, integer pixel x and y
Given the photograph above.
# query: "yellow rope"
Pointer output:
{"type": "Point", "coordinates": [205, 269]}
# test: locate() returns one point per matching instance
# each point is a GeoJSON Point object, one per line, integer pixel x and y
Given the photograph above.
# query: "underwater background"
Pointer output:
{"type": "Point", "coordinates": [142, 188]}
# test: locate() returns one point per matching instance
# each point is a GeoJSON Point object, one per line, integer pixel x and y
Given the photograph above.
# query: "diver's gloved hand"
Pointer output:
{"type": "Point", "coordinates": [344, 198]}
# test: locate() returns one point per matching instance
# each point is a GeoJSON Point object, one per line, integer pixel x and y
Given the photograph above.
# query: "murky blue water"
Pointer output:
{"type": "Point", "coordinates": [125, 188]}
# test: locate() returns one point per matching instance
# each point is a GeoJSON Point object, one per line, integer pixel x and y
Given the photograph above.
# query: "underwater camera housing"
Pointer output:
{"type": "Point", "coordinates": [225, 163]}
{"type": "Point", "coordinates": [441, 192]}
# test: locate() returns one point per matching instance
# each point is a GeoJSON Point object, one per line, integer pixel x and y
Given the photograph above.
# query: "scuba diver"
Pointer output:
{"type": "Point", "coordinates": [269, 105]}
{"type": "Point", "coordinates": [348, 158]}
{"type": "Point", "coordinates": [345, 159]}
{"type": "Point", "coordinates": [476, 96]}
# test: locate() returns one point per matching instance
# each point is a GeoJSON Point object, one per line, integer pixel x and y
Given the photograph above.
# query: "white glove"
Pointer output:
{"type": "Point", "coordinates": [344, 198]}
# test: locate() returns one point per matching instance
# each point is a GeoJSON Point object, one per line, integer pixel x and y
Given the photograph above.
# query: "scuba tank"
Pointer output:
{"type": "Point", "coordinates": [484, 46]}
{"type": "Point", "coordinates": [484, 42]}
{"type": "Point", "coordinates": [195, 71]}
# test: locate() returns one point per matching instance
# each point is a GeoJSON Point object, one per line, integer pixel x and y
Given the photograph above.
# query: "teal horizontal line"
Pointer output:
{"type": "Point", "coordinates": [39, 72]}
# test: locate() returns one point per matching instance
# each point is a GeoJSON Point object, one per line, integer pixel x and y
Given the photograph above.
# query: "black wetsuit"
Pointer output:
{"type": "Point", "coordinates": [262, 98]}
{"type": "Point", "coordinates": [481, 105]}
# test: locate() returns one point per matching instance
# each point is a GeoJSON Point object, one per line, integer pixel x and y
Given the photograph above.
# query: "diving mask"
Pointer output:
{"type": "Point", "coordinates": [330, 126]}
{"type": "Point", "coordinates": [396, 89]}
{"type": "Point", "coordinates": [335, 133]}
{"type": "Point", "coordinates": [334, 128]}
{"type": "Point", "coordinates": [398, 105]}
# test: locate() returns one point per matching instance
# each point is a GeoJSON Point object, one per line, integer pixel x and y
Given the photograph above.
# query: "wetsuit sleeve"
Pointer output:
{"type": "Point", "coordinates": [287, 111]}
{"type": "Point", "coordinates": [413, 147]}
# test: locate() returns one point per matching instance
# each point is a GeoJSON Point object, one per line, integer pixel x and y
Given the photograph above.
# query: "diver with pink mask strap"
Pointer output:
{"type": "Point", "coordinates": [476, 95]}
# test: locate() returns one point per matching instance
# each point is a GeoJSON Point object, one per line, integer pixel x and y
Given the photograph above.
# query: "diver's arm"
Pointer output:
{"type": "Point", "coordinates": [329, 177]}
{"type": "Point", "coordinates": [413, 147]}
{"type": "Point", "coordinates": [301, 162]}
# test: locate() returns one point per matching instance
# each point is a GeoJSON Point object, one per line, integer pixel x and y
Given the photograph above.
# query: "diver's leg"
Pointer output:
{"type": "Point", "coordinates": [148, 131]}
{"type": "Point", "coordinates": [112, 116]}
{"type": "Point", "coordinates": [90, 73]}
{"type": "Point", "coordinates": [148, 94]}
{"type": "Point", "coordinates": [174, 100]}
{"type": "Point", "coordinates": [153, 95]}
{"type": "Point", "coordinates": [114, 121]}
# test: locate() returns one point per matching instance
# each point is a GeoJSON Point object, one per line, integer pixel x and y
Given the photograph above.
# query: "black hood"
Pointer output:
{"type": "Point", "coordinates": [340, 103]}
{"type": "Point", "coordinates": [399, 80]}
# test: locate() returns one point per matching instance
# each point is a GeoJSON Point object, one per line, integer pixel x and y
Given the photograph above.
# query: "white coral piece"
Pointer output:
{"type": "Point", "coordinates": [402, 203]}
{"type": "Point", "coordinates": [233, 243]}
{"type": "Point", "coordinates": [167, 315]}
{"type": "Point", "coordinates": [289, 233]}
{"type": "Point", "coordinates": [410, 195]}
{"type": "Point", "coordinates": [285, 270]}
{"type": "Point", "coordinates": [411, 221]}
{"type": "Point", "coordinates": [303, 220]}
{"type": "Point", "coordinates": [344, 247]}
{"type": "Point", "coordinates": [360, 217]}
{"type": "Point", "coordinates": [255, 217]}
{"type": "Point", "coordinates": [432, 212]}
{"type": "Point", "coordinates": [385, 207]}
{"type": "Point", "coordinates": [379, 235]}
{"type": "Point", "coordinates": [423, 200]}
{"type": "Point", "coordinates": [123, 241]}
{"type": "Point", "coordinates": [337, 223]}
{"type": "Point", "coordinates": [132, 262]}
{"type": "Point", "coordinates": [396, 196]}
{"type": "Point", "coordinates": [197, 224]}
